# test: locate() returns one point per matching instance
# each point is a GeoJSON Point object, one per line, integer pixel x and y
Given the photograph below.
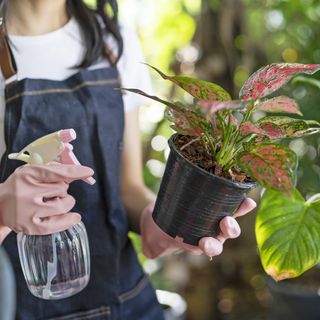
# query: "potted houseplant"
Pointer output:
{"type": "Point", "coordinates": [219, 152]}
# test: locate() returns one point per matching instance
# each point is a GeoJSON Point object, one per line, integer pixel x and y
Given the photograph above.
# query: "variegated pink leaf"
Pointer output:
{"type": "Point", "coordinates": [185, 122]}
{"type": "Point", "coordinates": [248, 127]}
{"type": "Point", "coordinates": [291, 128]}
{"type": "Point", "coordinates": [267, 129]}
{"type": "Point", "coordinates": [216, 128]}
{"type": "Point", "coordinates": [305, 132]}
{"type": "Point", "coordinates": [210, 107]}
{"type": "Point", "coordinates": [279, 104]}
{"type": "Point", "coordinates": [270, 78]}
{"type": "Point", "coordinates": [234, 120]}
{"type": "Point", "coordinates": [272, 165]}
{"type": "Point", "coordinates": [197, 88]}
{"type": "Point", "coordinates": [272, 130]}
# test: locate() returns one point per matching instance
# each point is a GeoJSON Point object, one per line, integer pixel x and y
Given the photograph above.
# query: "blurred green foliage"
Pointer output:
{"type": "Point", "coordinates": [287, 30]}
{"type": "Point", "coordinates": [163, 26]}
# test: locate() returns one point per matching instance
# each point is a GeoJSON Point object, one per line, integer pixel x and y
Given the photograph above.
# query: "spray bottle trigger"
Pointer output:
{"type": "Point", "coordinates": [68, 157]}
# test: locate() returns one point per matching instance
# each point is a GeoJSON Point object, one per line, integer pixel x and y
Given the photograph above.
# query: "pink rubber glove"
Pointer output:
{"type": "Point", "coordinates": [156, 243]}
{"type": "Point", "coordinates": [34, 199]}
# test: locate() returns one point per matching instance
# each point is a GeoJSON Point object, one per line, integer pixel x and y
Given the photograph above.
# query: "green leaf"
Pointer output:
{"type": "Point", "coordinates": [268, 129]}
{"type": "Point", "coordinates": [279, 104]}
{"type": "Point", "coordinates": [185, 122]}
{"type": "Point", "coordinates": [288, 234]}
{"type": "Point", "coordinates": [199, 89]}
{"type": "Point", "coordinates": [272, 165]}
{"type": "Point", "coordinates": [210, 107]}
{"type": "Point", "coordinates": [307, 80]}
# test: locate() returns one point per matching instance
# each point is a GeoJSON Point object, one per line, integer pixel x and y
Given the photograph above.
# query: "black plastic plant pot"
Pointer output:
{"type": "Point", "coordinates": [191, 202]}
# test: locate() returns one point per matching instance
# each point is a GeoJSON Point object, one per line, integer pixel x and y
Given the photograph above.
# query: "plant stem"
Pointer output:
{"type": "Point", "coordinates": [232, 144]}
{"type": "Point", "coordinates": [230, 164]}
{"type": "Point", "coordinates": [189, 143]}
{"type": "Point", "coordinates": [226, 143]}
{"type": "Point", "coordinates": [235, 147]}
{"type": "Point", "coordinates": [212, 146]}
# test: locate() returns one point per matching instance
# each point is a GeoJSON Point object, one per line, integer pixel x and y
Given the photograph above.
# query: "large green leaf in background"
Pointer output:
{"type": "Point", "coordinates": [288, 233]}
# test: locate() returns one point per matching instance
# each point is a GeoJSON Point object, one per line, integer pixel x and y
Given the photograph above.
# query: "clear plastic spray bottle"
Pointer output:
{"type": "Point", "coordinates": [57, 265]}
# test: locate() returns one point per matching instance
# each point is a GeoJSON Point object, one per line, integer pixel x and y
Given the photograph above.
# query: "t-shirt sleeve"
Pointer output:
{"type": "Point", "coordinates": [133, 73]}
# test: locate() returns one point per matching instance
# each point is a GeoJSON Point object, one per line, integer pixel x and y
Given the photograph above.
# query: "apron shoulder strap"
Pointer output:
{"type": "Point", "coordinates": [7, 63]}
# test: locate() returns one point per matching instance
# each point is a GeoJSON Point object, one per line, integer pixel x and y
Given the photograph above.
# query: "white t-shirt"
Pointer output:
{"type": "Point", "coordinates": [52, 56]}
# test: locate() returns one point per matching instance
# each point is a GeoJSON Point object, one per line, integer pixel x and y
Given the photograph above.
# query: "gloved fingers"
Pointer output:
{"type": "Point", "coordinates": [246, 206]}
{"type": "Point", "coordinates": [162, 248]}
{"type": "Point", "coordinates": [55, 172]}
{"type": "Point", "coordinates": [214, 246]}
{"type": "Point", "coordinates": [56, 223]}
{"type": "Point", "coordinates": [211, 246]}
{"type": "Point", "coordinates": [188, 247]}
{"type": "Point", "coordinates": [4, 232]}
{"type": "Point", "coordinates": [54, 206]}
{"type": "Point", "coordinates": [155, 242]}
{"type": "Point", "coordinates": [230, 228]}
{"type": "Point", "coordinates": [52, 190]}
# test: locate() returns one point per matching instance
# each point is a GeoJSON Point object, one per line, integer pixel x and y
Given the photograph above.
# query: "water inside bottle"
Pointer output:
{"type": "Point", "coordinates": [55, 266]}
{"type": "Point", "coordinates": [60, 290]}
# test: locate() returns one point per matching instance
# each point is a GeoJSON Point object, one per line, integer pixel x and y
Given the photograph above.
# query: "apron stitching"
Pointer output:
{"type": "Point", "coordinates": [135, 291]}
{"type": "Point", "coordinates": [86, 314]}
{"type": "Point", "coordinates": [62, 90]}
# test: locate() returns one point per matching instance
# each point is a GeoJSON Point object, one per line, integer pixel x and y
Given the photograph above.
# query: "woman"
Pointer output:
{"type": "Point", "coordinates": [60, 63]}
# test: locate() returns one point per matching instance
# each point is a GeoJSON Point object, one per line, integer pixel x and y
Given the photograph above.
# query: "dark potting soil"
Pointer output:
{"type": "Point", "coordinates": [199, 155]}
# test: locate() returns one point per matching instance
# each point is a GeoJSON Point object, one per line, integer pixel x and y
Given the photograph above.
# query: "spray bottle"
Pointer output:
{"type": "Point", "coordinates": [55, 266]}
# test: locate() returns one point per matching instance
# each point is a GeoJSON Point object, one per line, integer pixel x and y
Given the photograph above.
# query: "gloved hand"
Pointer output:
{"type": "Point", "coordinates": [156, 243]}
{"type": "Point", "coordinates": [34, 199]}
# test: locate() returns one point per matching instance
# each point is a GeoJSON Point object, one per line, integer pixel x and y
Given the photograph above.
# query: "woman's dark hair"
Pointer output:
{"type": "Point", "coordinates": [94, 23]}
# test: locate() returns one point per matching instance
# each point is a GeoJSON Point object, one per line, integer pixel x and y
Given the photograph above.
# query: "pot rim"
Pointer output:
{"type": "Point", "coordinates": [289, 289]}
{"type": "Point", "coordinates": [242, 185]}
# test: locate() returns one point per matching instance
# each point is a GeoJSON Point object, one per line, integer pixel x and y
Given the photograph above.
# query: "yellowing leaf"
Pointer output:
{"type": "Point", "coordinates": [288, 234]}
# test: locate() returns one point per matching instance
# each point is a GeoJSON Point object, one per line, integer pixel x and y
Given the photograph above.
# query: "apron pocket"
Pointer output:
{"type": "Point", "coordinates": [102, 313]}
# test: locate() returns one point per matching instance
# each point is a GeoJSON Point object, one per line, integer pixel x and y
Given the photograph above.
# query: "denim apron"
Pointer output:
{"type": "Point", "coordinates": [88, 103]}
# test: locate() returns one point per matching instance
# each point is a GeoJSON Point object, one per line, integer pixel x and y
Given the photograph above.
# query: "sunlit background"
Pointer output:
{"type": "Point", "coordinates": [223, 41]}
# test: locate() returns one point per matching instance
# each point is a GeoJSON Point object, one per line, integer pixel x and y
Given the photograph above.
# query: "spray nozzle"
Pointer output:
{"type": "Point", "coordinates": [52, 147]}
